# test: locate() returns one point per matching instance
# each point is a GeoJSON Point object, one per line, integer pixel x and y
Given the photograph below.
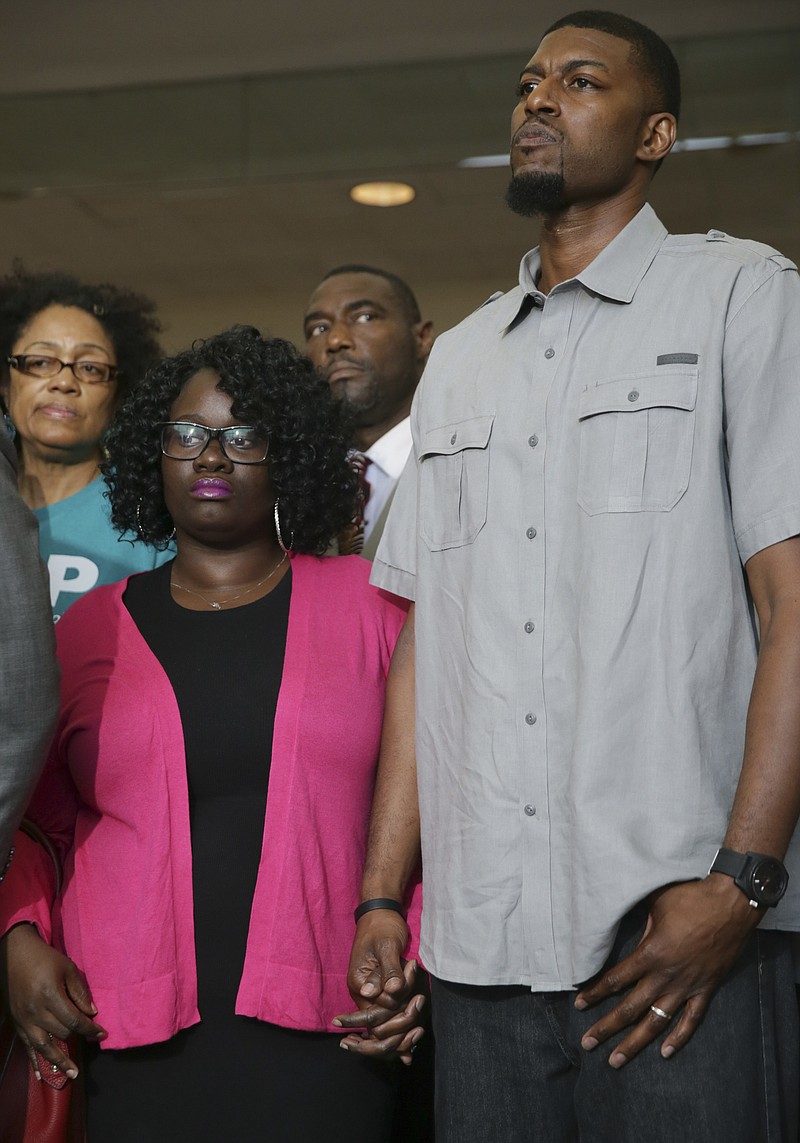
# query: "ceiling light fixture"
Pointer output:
{"type": "Point", "coordinates": [382, 194]}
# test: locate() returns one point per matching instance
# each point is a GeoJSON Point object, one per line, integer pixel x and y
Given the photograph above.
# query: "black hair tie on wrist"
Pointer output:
{"type": "Point", "coordinates": [379, 903]}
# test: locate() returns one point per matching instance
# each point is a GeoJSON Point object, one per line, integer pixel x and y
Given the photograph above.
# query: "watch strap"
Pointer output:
{"type": "Point", "coordinates": [747, 871]}
{"type": "Point", "coordinates": [730, 862]}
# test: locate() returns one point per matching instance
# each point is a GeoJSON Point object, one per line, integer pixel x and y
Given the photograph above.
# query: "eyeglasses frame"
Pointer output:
{"type": "Point", "coordinates": [15, 359]}
{"type": "Point", "coordinates": [212, 434]}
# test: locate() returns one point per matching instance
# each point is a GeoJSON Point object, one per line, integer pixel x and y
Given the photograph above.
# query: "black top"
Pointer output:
{"type": "Point", "coordinates": [225, 669]}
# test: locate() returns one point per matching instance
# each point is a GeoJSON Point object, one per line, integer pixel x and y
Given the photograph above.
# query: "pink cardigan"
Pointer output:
{"type": "Point", "coordinates": [114, 799]}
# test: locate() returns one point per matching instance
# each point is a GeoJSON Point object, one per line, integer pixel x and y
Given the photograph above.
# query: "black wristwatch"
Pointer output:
{"type": "Point", "coordinates": [762, 879]}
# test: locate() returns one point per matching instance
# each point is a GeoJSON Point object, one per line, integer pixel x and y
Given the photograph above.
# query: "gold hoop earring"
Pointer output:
{"type": "Point", "coordinates": [281, 544]}
{"type": "Point", "coordinates": [140, 530]}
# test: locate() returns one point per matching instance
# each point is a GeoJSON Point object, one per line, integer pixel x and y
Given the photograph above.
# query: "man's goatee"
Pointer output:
{"type": "Point", "coordinates": [528, 194]}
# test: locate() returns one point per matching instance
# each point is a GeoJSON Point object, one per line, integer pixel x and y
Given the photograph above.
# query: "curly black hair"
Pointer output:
{"type": "Point", "coordinates": [275, 389]}
{"type": "Point", "coordinates": [128, 319]}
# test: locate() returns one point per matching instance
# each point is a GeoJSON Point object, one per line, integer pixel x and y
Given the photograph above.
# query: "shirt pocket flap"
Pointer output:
{"type": "Point", "coordinates": [445, 440]}
{"type": "Point", "coordinates": [671, 390]}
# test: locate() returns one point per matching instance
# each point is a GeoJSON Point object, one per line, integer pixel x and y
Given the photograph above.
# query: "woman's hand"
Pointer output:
{"type": "Point", "coordinates": [47, 996]}
{"type": "Point", "coordinates": [389, 1032]}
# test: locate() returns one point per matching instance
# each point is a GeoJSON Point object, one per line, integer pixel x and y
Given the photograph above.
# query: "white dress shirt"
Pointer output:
{"type": "Point", "coordinates": [388, 457]}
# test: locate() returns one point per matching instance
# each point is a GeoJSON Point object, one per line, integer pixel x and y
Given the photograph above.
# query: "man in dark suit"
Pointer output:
{"type": "Point", "coordinates": [28, 669]}
{"type": "Point", "coordinates": [365, 334]}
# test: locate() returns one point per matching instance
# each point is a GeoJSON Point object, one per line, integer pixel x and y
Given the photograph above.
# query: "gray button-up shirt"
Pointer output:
{"type": "Point", "coordinates": [590, 471]}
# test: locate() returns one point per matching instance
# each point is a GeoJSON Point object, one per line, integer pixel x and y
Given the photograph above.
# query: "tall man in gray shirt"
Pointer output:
{"type": "Point", "coordinates": [599, 534]}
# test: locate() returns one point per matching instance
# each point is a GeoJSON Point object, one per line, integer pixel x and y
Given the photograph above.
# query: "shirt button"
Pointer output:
{"type": "Point", "coordinates": [633, 395]}
{"type": "Point", "coordinates": [454, 438]}
{"type": "Point", "coordinates": [530, 810]}
{"type": "Point", "coordinates": [530, 719]}
{"type": "Point", "coordinates": [533, 441]}
{"type": "Point", "coordinates": [530, 627]}
{"type": "Point", "coordinates": [531, 533]}
{"type": "Point", "coordinates": [549, 353]}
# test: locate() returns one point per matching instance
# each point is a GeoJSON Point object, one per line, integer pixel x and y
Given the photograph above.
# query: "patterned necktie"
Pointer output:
{"type": "Point", "coordinates": [351, 538]}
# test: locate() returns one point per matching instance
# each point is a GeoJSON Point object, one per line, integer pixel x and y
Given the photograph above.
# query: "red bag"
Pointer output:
{"type": "Point", "coordinates": [50, 1111]}
{"type": "Point", "coordinates": [34, 1112]}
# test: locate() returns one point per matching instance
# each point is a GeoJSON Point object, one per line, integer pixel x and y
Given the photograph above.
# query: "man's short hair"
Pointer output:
{"type": "Point", "coordinates": [402, 290]}
{"type": "Point", "coordinates": [650, 54]}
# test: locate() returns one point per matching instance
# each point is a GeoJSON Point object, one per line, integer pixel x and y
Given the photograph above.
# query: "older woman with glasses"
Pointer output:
{"type": "Point", "coordinates": [210, 779]}
{"type": "Point", "coordinates": [69, 353]}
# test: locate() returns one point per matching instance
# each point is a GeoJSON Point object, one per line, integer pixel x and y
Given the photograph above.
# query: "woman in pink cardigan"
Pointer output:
{"type": "Point", "coordinates": [210, 779]}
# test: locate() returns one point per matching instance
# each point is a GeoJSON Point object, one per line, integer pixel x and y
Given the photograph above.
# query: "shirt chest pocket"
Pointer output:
{"type": "Point", "coordinates": [454, 482]}
{"type": "Point", "coordinates": [636, 439]}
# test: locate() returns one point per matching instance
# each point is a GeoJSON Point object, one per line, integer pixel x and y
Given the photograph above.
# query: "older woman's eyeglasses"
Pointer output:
{"type": "Point", "coordinates": [184, 440]}
{"type": "Point", "coordinates": [38, 365]}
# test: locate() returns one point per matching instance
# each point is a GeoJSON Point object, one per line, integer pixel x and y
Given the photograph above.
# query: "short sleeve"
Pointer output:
{"type": "Point", "coordinates": [761, 377]}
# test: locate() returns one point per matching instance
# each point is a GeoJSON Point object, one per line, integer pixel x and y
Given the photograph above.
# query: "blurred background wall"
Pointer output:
{"type": "Point", "coordinates": [203, 152]}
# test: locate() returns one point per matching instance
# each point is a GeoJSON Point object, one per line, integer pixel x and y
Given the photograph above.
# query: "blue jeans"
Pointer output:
{"type": "Point", "coordinates": [510, 1069]}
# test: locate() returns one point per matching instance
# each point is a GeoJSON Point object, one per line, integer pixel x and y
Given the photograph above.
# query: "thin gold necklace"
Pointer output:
{"type": "Point", "coordinates": [218, 604]}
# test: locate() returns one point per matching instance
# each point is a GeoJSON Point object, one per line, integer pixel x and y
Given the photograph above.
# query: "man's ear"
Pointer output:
{"type": "Point", "coordinates": [423, 335]}
{"type": "Point", "coordinates": [658, 137]}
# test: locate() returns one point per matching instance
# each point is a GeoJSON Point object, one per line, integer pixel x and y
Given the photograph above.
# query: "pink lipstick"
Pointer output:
{"type": "Point", "coordinates": [211, 488]}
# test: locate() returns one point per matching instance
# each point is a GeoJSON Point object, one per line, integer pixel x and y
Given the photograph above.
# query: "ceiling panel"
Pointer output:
{"type": "Point", "coordinates": [55, 45]}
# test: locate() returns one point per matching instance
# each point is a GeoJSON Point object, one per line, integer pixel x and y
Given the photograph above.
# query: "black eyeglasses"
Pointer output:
{"type": "Point", "coordinates": [184, 440]}
{"type": "Point", "coordinates": [87, 372]}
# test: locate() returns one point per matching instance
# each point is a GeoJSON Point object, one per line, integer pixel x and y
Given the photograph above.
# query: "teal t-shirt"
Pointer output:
{"type": "Point", "coordinates": [82, 549]}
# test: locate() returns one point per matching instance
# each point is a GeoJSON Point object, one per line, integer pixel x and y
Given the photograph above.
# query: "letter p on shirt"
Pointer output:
{"type": "Point", "coordinates": [75, 574]}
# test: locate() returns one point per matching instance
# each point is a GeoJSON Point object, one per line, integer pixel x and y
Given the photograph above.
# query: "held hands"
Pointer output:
{"type": "Point", "coordinates": [383, 988]}
{"type": "Point", "coordinates": [694, 932]}
{"type": "Point", "coordinates": [47, 996]}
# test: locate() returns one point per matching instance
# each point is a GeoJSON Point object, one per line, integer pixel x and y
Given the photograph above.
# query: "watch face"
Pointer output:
{"type": "Point", "coordinates": [768, 880]}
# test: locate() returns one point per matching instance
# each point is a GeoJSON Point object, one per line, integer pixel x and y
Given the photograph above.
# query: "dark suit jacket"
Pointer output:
{"type": "Point", "coordinates": [28, 670]}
